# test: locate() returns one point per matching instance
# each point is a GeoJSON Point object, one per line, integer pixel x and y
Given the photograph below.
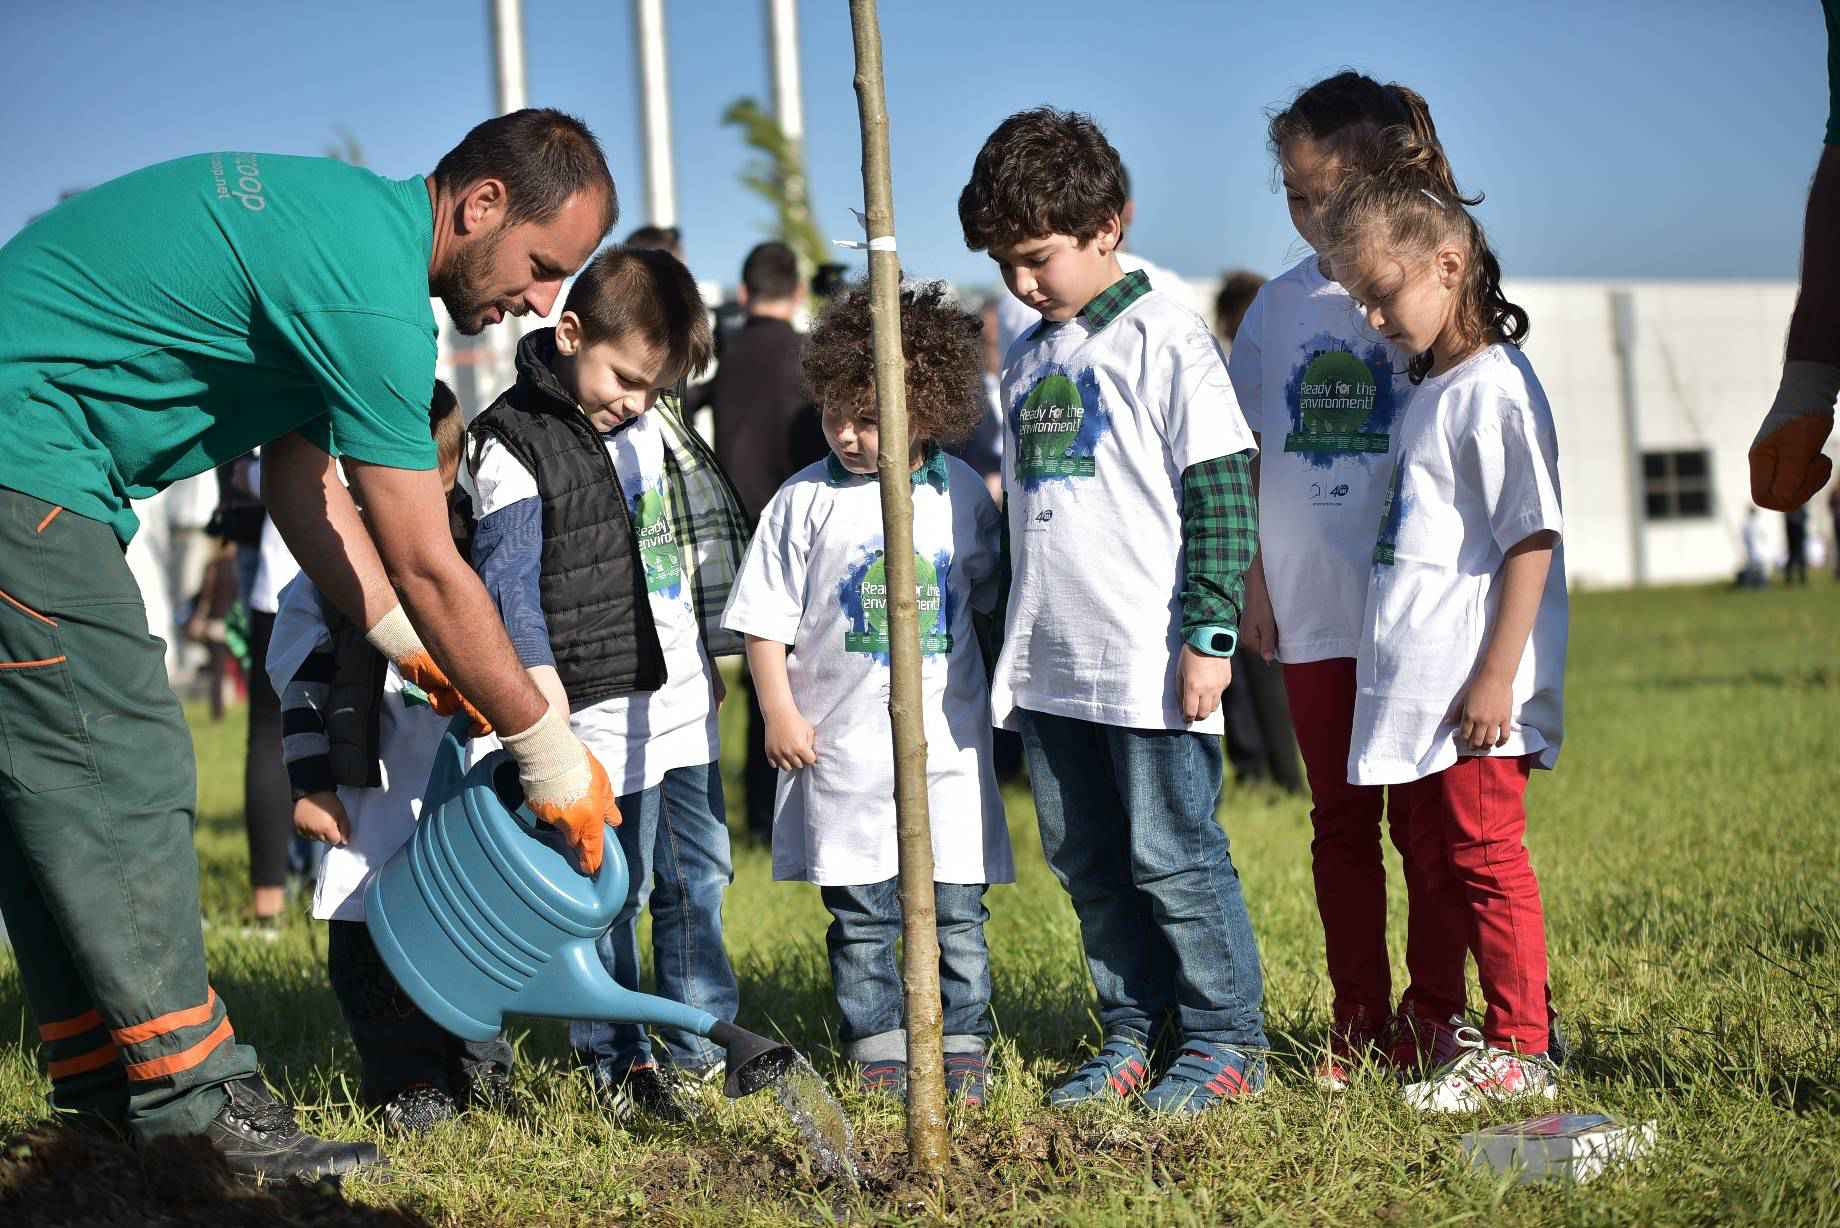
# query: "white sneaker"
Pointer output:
{"type": "Point", "coordinates": [1479, 1076]}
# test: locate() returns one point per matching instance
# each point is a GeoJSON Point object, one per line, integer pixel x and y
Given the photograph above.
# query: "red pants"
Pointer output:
{"type": "Point", "coordinates": [1345, 850]}
{"type": "Point", "coordinates": [1469, 885]}
{"type": "Point", "coordinates": [1472, 890]}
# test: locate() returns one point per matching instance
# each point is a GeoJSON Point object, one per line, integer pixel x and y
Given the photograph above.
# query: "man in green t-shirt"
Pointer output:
{"type": "Point", "coordinates": [156, 326]}
{"type": "Point", "coordinates": [1788, 464]}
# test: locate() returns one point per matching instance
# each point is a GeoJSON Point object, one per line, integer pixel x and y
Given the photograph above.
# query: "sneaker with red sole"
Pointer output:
{"type": "Point", "coordinates": [1202, 1076]}
{"type": "Point", "coordinates": [1120, 1068]}
{"type": "Point", "coordinates": [1482, 1075]}
{"type": "Point", "coordinates": [965, 1077]}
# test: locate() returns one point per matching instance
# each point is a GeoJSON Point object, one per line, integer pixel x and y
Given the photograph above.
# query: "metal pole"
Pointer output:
{"type": "Point", "coordinates": [500, 348]}
{"type": "Point", "coordinates": [783, 37]}
{"type": "Point", "coordinates": [1623, 321]}
{"type": "Point", "coordinates": [655, 112]}
{"type": "Point", "coordinates": [783, 40]}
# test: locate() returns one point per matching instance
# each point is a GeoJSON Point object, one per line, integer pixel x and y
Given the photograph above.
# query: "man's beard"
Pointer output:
{"type": "Point", "coordinates": [463, 291]}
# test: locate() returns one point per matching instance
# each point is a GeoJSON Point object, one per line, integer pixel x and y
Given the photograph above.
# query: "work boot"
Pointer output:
{"type": "Point", "coordinates": [259, 1138]}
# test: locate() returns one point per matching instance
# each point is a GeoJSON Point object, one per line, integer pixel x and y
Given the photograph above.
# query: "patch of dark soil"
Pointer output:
{"type": "Point", "coordinates": [55, 1177]}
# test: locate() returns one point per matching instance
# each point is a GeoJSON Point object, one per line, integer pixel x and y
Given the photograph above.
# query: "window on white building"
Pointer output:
{"type": "Point", "coordinates": [1677, 485]}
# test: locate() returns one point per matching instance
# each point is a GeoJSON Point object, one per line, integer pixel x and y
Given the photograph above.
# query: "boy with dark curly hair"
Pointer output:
{"type": "Point", "coordinates": [812, 599]}
{"type": "Point", "coordinates": [1132, 522]}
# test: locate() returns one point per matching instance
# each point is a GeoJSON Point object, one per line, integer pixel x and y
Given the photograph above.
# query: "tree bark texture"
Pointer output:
{"type": "Point", "coordinates": [926, 1110]}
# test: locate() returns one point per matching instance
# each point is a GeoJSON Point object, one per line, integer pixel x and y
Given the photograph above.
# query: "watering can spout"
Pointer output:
{"type": "Point", "coordinates": [754, 1061]}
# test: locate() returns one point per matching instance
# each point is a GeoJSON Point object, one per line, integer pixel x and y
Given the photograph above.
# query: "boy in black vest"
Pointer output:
{"type": "Point", "coordinates": [359, 741]}
{"type": "Point", "coordinates": [607, 535]}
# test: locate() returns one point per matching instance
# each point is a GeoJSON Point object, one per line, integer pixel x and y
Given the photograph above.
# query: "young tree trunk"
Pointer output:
{"type": "Point", "coordinates": [926, 1110]}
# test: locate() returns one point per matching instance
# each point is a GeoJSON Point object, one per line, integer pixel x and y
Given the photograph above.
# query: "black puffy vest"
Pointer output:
{"type": "Point", "coordinates": [592, 581]}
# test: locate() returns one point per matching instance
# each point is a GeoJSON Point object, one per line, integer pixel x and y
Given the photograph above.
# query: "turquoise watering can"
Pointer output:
{"type": "Point", "coordinates": [482, 913]}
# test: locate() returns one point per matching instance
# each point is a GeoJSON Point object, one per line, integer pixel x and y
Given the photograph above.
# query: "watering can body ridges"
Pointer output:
{"type": "Point", "coordinates": [481, 912]}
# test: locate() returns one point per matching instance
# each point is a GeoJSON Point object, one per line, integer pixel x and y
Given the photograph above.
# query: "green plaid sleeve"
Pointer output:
{"type": "Point", "coordinates": [1220, 531]}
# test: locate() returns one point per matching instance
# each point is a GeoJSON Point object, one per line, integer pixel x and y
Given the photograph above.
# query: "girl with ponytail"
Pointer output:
{"type": "Point", "coordinates": [1462, 655]}
{"type": "Point", "coordinates": [1324, 393]}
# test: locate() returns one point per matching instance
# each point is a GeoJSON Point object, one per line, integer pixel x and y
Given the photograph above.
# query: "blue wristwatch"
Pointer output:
{"type": "Point", "coordinates": [1214, 641]}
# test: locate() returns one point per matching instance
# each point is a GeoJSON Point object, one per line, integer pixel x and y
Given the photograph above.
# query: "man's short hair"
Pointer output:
{"type": "Point", "coordinates": [446, 424]}
{"type": "Point", "coordinates": [644, 292]}
{"type": "Point", "coordinates": [542, 156]}
{"type": "Point", "coordinates": [1042, 172]}
{"type": "Point", "coordinates": [770, 272]}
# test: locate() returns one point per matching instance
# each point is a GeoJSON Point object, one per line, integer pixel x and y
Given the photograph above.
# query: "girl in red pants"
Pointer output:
{"type": "Point", "coordinates": [1324, 393]}
{"type": "Point", "coordinates": [1461, 665]}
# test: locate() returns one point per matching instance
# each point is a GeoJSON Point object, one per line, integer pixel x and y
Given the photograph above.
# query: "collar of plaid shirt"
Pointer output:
{"type": "Point", "coordinates": [1108, 304]}
{"type": "Point", "coordinates": [932, 470]}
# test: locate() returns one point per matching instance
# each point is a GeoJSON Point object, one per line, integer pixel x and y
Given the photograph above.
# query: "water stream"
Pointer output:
{"type": "Point", "coordinates": [816, 1113]}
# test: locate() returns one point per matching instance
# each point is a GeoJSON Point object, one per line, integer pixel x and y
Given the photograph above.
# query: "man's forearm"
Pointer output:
{"type": "Point", "coordinates": [323, 530]}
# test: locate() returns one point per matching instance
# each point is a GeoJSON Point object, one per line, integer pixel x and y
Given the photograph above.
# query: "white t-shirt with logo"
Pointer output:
{"type": "Point", "coordinates": [637, 738]}
{"type": "Point", "coordinates": [1475, 472]}
{"type": "Point", "coordinates": [1323, 393]}
{"type": "Point", "coordinates": [814, 579]}
{"type": "Point", "coordinates": [1101, 427]}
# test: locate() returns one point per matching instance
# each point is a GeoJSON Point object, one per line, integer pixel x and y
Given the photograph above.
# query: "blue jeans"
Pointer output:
{"type": "Point", "coordinates": [1128, 827]}
{"type": "Point", "coordinates": [865, 923]}
{"type": "Point", "coordinates": [675, 838]}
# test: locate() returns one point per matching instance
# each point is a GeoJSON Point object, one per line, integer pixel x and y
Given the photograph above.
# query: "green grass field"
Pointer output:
{"type": "Point", "coordinates": [1689, 848]}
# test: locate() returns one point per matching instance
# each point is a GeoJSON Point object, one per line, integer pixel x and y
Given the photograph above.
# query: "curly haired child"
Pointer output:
{"type": "Point", "coordinates": [812, 600]}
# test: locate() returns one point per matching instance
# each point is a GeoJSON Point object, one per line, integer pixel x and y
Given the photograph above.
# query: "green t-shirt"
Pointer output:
{"type": "Point", "coordinates": [172, 319]}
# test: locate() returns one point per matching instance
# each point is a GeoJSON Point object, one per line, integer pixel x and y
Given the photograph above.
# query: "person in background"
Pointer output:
{"type": "Point", "coordinates": [1795, 528]}
{"type": "Point", "coordinates": [1756, 570]}
{"type": "Point", "coordinates": [1833, 511]}
{"type": "Point", "coordinates": [983, 451]}
{"type": "Point", "coordinates": [667, 239]}
{"type": "Point", "coordinates": [1260, 743]}
{"type": "Point", "coordinates": [766, 430]}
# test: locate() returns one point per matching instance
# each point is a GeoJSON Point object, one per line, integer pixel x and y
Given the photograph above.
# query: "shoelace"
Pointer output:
{"type": "Point", "coordinates": [268, 1117]}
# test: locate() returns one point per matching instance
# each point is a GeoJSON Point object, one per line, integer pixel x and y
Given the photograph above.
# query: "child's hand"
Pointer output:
{"type": "Point", "coordinates": [321, 816]}
{"type": "Point", "coordinates": [792, 743]}
{"type": "Point", "coordinates": [1258, 626]}
{"type": "Point", "coordinates": [717, 688]}
{"type": "Point", "coordinates": [1485, 713]}
{"type": "Point", "coordinates": [1199, 681]}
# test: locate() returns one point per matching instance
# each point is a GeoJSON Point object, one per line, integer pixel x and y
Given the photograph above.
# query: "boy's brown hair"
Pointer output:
{"type": "Point", "coordinates": [446, 424]}
{"type": "Point", "coordinates": [943, 346]}
{"type": "Point", "coordinates": [645, 292]}
{"type": "Point", "coordinates": [1042, 172]}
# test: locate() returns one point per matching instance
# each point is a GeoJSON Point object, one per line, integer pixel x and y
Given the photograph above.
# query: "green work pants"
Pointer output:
{"type": "Point", "coordinates": [98, 874]}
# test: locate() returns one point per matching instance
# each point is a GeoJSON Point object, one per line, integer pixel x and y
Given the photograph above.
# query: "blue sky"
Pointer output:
{"type": "Point", "coordinates": [1641, 139]}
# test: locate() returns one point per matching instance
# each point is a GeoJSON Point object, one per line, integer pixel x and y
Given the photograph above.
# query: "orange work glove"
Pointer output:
{"type": "Point", "coordinates": [1787, 466]}
{"type": "Point", "coordinates": [396, 639]}
{"type": "Point", "coordinates": [564, 785]}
